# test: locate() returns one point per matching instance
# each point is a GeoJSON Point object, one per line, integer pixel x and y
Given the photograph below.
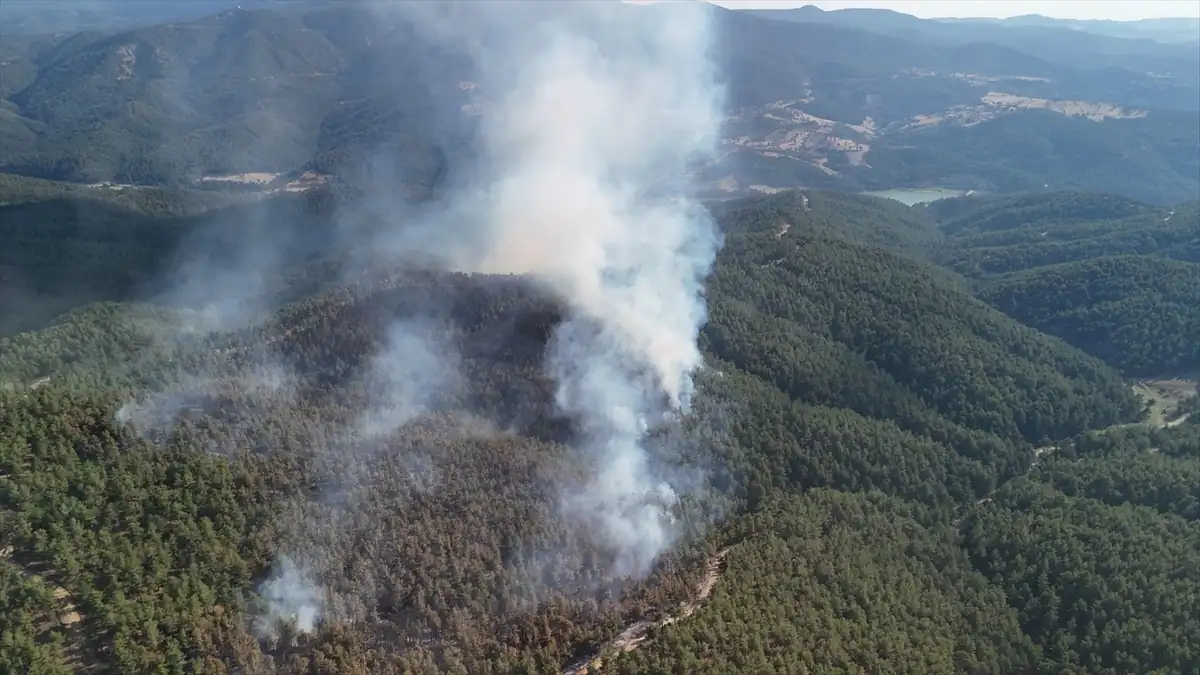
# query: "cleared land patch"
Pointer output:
{"type": "Point", "coordinates": [1095, 111]}
{"type": "Point", "coordinates": [1164, 398]}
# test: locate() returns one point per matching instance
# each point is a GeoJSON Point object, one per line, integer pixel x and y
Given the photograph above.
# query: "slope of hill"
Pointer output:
{"type": "Point", "coordinates": [817, 105]}
{"type": "Point", "coordinates": [241, 91]}
{"type": "Point", "coordinates": [1114, 277]}
{"type": "Point", "coordinates": [1139, 313]}
{"type": "Point", "coordinates": [67, 245]}
{"type": "Point", "coordinates": [965, 216]}
{"type": "Point", "coordinates": [921, 611]}
{"type": "Point", "coordinates": [997, 236]}
{"type": "Point", "coordinates": [877, 222]}
{"type": "Point", "coordinates": [32, 17]}
{"type": "Point", "coordinates": [1130, 552]}
{"type": "Point", "coordinates": [833, 364]}
{"type": "Point", "coordinates": [891, 322]}
{"type": "Point", "coordinates": [1179, 29]}
{"type": "Point", "coordinates": [1101, 519]}
{"type": "Point", "coordinates": [1155, 468]}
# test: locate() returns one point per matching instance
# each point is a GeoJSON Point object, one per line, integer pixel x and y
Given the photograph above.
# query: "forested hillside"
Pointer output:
{"type": "Point", "coordinates": [1140, 44]}
{"type": "Point", "coordinates": [65, 246]}
{"type": "Point", "coordinates": [835, 364]}
{"type": "Point", "coordinates": [1147, 159]}
{"type": "Point", "coordinates": [903, 323]}
{"type": "Point", "coordinates": [1140, 313]}
{"type": "Point", "coordinates": [396, 339]}
{"type": "Point", "coordinates": [993, 236]}
{"type": "Point", "coordinates": [1117, 603]}
{"type": "Point", "coordinates": [1114, 277]}
{"type": "Point", "coordinates": [847, 582]}
{"type": "Point", "coordinates": [269, 90]}
{"type": "Point", "coordinates": [1076, 569]}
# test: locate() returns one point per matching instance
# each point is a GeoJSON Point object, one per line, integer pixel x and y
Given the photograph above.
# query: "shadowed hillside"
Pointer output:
{"type": "Point", "coordinates": [1116, 278]}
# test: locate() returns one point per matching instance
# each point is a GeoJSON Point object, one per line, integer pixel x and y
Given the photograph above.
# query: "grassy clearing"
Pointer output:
{"type": "Point", "coordinates": [1163, 398]}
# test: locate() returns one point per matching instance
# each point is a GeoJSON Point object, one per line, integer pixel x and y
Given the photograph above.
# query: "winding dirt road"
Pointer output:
{"type": "Point", "coordinates": [635, 635]}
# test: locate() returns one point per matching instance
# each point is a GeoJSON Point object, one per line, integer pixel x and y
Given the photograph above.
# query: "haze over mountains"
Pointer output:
{"type": "Point", "coordinates": [865, 100]}
{"type": "Point", "coordinates": [557, 338]}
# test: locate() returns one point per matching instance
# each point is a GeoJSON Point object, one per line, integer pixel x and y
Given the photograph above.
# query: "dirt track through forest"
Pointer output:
{"type": "Point", "coordinates": [1166, 397]}
{"type": "Point", "coordinates": [635, 634]}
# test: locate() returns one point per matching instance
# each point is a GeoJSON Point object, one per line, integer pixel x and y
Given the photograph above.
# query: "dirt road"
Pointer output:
{"type": "Point", "coordinates": [635, 634]}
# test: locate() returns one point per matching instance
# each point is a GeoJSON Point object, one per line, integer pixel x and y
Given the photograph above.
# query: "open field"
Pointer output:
{"type": "Point", "coordinates": [918, 196]}
{"type": "Point", "coordinates": [1092, 110]}
{"type": "Point", "coordinates": [1164, 397]}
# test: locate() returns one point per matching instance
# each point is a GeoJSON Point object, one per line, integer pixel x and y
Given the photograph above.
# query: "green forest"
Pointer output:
{"type": "Point", "coordinates": [1073, 569]}
{"type": "Point", "coordinates": [252, 424]}
{"type": "Point", "coordinates": [910, 460]}
{"type": "Point", "coordinates": [1117, 278]}
{"type": "Point", "coordinates": [1140, 313]}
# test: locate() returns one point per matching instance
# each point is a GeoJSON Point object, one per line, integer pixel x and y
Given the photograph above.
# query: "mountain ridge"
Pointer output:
{"type": "Point", "coordinates": [285, 89]}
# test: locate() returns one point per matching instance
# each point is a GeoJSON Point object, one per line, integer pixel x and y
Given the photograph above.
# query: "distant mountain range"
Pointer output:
{"type": "Point", "coordinates": [1079, 44]}
{"type": "Point", "coordinates": [39, 16]}
{"type": "Point", "coordinates": [152, 93]}
{"type": "Point", "coordinates": [1166, 29]}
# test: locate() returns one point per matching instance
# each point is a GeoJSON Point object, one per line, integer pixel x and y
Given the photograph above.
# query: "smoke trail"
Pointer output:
{"type": "Point", "coordinates": [592, 108]}
{"type": "Point", "coordinates": [589, 110]}
{"type": "Point", "coordinates": [403, 381]}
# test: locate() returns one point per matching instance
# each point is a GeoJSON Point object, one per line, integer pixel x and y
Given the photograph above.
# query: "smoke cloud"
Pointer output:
{"type": "Point", "coordinates": [589, 118]}
{"type": "Point", "coordinates": [291, 597]}
{"type": "Point", "coordinates": [406, 377]}
{"type": "Point", "coordinates": [592, 115]}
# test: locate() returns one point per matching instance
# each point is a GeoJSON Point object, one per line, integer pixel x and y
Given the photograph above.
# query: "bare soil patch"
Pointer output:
{"type": "Point", "coordinates": [257, 177]}
{"type": "Point", "coordinates": [128, 58]}
{"type": "Point", "coordinates": [1095, 111]}
{"type": "Point", "coordinates": [1164, 397]}
{"type": "Point", "coordinates": [766, 189]}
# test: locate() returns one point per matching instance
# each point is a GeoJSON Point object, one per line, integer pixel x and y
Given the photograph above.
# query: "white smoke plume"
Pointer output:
{"type": "Point", "coordinates": [403, 381]}
{"type": "Point", "coordinates": [406, 377]}
{"type": "Point", "coordinates": [609, 106]}
{"type": "Point", "coordinates": [594, 113]}
{"type": "Point", "coordinates": [292, 598]}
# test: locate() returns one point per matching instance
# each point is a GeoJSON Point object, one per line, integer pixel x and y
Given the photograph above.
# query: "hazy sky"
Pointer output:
{"type": "Point", "coordinates": [1062, 9]}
